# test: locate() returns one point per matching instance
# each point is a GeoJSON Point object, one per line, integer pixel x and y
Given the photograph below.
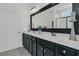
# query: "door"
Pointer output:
{"type": "Point", "coordinates": [10, 27]}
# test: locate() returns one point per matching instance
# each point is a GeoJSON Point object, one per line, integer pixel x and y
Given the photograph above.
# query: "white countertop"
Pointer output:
{"type": "Point", "coordinates": [62, 39]}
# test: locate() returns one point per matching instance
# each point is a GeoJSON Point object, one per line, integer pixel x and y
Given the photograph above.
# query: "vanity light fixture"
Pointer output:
{"type": "Point", "coordinates": [34, 9]}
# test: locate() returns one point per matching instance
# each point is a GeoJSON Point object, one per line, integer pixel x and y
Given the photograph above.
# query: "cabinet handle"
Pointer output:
{"type": "Point", "coordinates": [64, 51]}
{"type": "Point", "coordinates": [44, 50]}
{"type": "Point", "coordinates": [41, 48]}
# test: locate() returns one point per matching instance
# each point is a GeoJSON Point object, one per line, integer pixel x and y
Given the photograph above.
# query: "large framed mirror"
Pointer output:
{"type": "Point", "coordinates": [54, 17]}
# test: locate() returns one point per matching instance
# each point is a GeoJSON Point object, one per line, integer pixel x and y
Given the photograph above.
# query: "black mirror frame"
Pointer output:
{"type": "Point", "coordinates": [56, 30]}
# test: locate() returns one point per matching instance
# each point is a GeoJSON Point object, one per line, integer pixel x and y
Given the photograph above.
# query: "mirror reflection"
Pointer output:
{"type": "Point", "coordinates": [58, 16]}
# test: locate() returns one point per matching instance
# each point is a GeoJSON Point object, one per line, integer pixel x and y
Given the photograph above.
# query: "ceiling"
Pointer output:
{"type": "Point", "coordinates": [20, 7]}
{"type": "Point", "coordinates": [37, 5]}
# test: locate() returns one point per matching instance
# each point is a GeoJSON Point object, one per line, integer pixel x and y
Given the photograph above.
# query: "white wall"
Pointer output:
{"type": "Point", "coordinates": [23, 11]}
{"type": "Point", "coordinates": [11, 15]}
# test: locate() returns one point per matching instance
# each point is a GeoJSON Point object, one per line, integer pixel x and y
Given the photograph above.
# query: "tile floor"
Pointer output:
{"type": "Point", "coordinates": [16, 52]}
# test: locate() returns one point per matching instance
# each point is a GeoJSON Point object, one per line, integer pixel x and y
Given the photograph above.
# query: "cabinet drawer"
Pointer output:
{"type": "Point", "coordinates": [45, 43]}
{"type": "Point", "coordinates": [48, 52]}
{"type": "Point", "coordinates": [65, 51]}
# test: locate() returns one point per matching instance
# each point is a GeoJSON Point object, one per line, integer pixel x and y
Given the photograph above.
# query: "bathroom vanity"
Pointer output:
{"type": "Point", "coordinates": [48, 45]}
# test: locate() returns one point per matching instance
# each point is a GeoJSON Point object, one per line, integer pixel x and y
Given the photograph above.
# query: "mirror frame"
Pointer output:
{"type": "Point", "coordinates": [56, 30]}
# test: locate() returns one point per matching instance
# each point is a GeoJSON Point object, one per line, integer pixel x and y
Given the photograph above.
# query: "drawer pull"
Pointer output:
{"type": "Point", "coordinates": [41, 48]}
{"type": "Point", "coordinates": [64, 51]}
{"type": "Point", "coordinates": [44, 50]}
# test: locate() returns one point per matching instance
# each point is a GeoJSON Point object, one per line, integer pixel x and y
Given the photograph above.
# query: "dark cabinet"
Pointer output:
{"type": "Point", "coordinates": [44, 51]}
{"type": "Point", "coordinates": [65, 51]}
{"type": "Point", "coordinates": [45, 48]}
{"type": "Point", "coordinates": [24, 43]}
{"type": "Point", "coordinates": [48, 52]}
{"type": "Point", "coordinates": [41, 47]}
{"type": "Point", "coordinates": [39, 50]}
{"type": "Point", "coordinates": [25, 40]}
{"type": "Point", "coordinates": [34, 49]}
{"type": "Point", "coordinates": [77, 52]}
{"type": "Point", "coordinates": [34, 46]}
{"type": "Point", "coordinates": [29, 44]}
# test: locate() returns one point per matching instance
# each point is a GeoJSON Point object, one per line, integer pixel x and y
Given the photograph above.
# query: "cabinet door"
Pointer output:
{"type": "Point", "coordinates": [39, 50]}
{"type": "Point", "coordinates": [24, 41]}
{"type": "Point", "coordinates": [48, 52]}
{"type": "Point", "coordinates": [33, 48]}
{"type": "Point", "coordinates": [29, 44]}
{"type": "Point", "coordinates": [77, 52]}
{"type": "Point", "coordinates": [65, 51]}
